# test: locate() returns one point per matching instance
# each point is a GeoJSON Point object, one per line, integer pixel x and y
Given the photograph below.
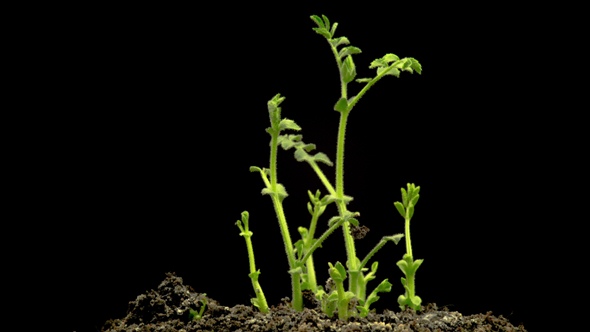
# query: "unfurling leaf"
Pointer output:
{"type": "Point", "coordinates": [416, 65]}
{"type": "Point", "coordinates": [404, 197]}
{"type": "Point", "coordinates": [390, 71]}
{"type": "Point", "coordinates": [348, 50]}
{"type": "Point", "coordinates": [414, 200]}
{"type": "Point", "coordinates": [400, 208]}
{"type": "Point", "coordinates": [341, 105]}
{"type": "Point", "coordinates": [348, 70]}
{"type": "Point", "coordinates": [395, 238]}
{"type": "Point", "coordinates": [339, 41]}
{"type": "Point", "coordinates": [322, 157]}
{"type": "Point", "coordinates": [318, 21]}
{"type": "Point", "coordinates": [323, 32]}
{"type": "Point", "coordinates": [288, 124]}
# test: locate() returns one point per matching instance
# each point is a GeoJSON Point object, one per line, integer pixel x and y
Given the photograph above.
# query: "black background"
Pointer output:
{"type": "Point", "coordinates": [158, 113]}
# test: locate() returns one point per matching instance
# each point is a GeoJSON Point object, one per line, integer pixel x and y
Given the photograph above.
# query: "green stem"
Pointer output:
{"type": "Point", "coordinates": [348, 239]}
{"type": "Point", "coordinates": [319, 241]}
{"type": "Point", "coordinates": [322, 177]}
{"type": "Point", "coordinates": [297, 301]}
{"type": "Point", "coordinates": [408, 240]}
{"type": "Point", "coordinates": [262, 304]}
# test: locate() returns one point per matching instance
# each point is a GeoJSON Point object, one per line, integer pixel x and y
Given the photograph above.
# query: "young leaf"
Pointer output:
{"type": "Point", "coordinates": [341, 105]}
{"type": "Point", "coordinates": [288, 124]}
{"type": "Point", "coordinates": [416, 65]}
{"type": "Point", "coordinates": [326, 22]}
{"type": "Point", "coordinates": [390, 57]}
{"type": "Point", "coordinates": [400, 208]}
{"type": "Point", "coordinates": [404, 197]}
{"type": "Point", "coordinates": [395, 238]}
{"type": "Point", "coordinates": [390, 71]}
{"type": "Point", "coordinates": [333, 30]}
{"type": "Point", "coordinates": [349, 50]}
{"type": "Point", "coordinates": [414, 200]}
{"type": "Point", "coordinates": [348, 70]}
{"type": "Point", "coordinates": [317, 21]}
{"type": "Point", "coordinates": [339, 41]}
{"type": "Point", "coordinates": [321, 157]}
{"type": "Point", "coordinates": [323, 32]}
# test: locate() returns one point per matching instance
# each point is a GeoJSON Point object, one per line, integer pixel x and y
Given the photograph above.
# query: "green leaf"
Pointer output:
{"type": "Point", "coordinates": [417, 264]}
{"type": "Point", "coordinates": [323, 32]}
{"type": "Point", "coordinates": [297, 270]}
{"type": "Point", "coordinates": [374, 267]}
{"type": "Point", "coordinates": [348, 50]}
{"type": "Point", "coordinates": [309, 147]}
{"type": "Point", "coordinates": [341, 269]}
{"type": "Point", "coordinates": [333, 30]}
{"type": "Point", "coordinates": [288, 124]}
{"type": "Point", "coordinates": [404, 197]}
{"type": "Point", "coordinates": [326, 21]}
{"type": "Point", "coordinates": [337, 273]}
{"type": "Point", "coordinates": [403, 265]}
{"type": "Point", "coordinates": [339, 41]}
{"type": "Point", "coordinates": [323, 158]}
{"type": "Point", "coordinates": [301, 155]}
{"type": "Point", "coordinates": [255, 169]}
{"type": "Point", "coordinates": [317, 21]}
{"type": "Point", "coordinates": [390, 71]}
{"type": "Point", "coordinates": [363, 80]}
{"type": "Point", "coordinates": [354, 222]}
{"type": "Point", "coordinates": [416, 301]}
{"type": "Point", "coordinates": [400, 208]}
{"type": "Point", "coordinates": [254, 275]}
{"type": "Point", "coordinates": [383, 287]}
{"type": "Point", "coordinates": [285, 142]}
{"type": "Point", "coordinates": [390, 57]}
{"type": "Point", "coordinates": [378, 63]}
{"type": "Point", "coordinates": [395, 238]}
{"type": "Point", "coordinates": [416, 65]}
{"type": "Point", "coordinates": [341, 105]}
{"type": "Point", "coordinates": [414, 200]}
{"type": "Point", "coordinates": [348, 70]}
{"type": "Point", "coordinates": [404, 281]}
{"type": "Point", "coordinates": [281, 191]}
{"type": "Point", "coordinates": [410, 211]}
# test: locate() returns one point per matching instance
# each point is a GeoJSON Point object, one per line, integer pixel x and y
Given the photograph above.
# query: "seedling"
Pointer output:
{"type": "Point", "coordinates": [350, 299]}
{"type": "Point", "coordinates": [407, 263]}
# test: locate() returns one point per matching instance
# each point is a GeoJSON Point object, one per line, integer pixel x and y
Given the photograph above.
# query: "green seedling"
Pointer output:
{"type": "Point", "coordinates": [259, 301]}
{"type": "Point", "coordinates": [407, 264]}
{"type": "Point", "coordinates": [196, 315]}
{"type": "Point", "coordinates": [348, 299]}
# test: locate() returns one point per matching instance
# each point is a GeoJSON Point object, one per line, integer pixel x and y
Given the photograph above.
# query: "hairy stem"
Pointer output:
{"type": "Point", "coordinates": [297, 299]}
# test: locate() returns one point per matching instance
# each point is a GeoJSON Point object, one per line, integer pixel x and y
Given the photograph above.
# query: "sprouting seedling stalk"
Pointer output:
{"type": "Point", "coordinates": [338, 274]}
{"type": "Point", "coordinates": [278, 193]}
{"type": "Point", "coordinates": [196, 315]}
{"type": "Point", "coordinates": [316, 208]}
{"type": "Point", "coordinates": [260, 300]}
{"type": "Point", "coordinates": [407, 263]}
{"type": "Point", "coordinates": [390, 64]}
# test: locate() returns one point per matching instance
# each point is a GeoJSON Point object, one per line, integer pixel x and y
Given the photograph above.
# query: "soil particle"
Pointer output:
{"type": "Point", "coordinates": [170, 307]}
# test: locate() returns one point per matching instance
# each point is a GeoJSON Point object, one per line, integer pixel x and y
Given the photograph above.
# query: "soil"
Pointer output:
{"type": "Point", "coordinates": [169, 308]}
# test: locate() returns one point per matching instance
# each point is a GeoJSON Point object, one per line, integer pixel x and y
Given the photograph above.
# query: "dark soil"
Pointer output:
{"type": "Point", "coordinates": [168, 309]}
